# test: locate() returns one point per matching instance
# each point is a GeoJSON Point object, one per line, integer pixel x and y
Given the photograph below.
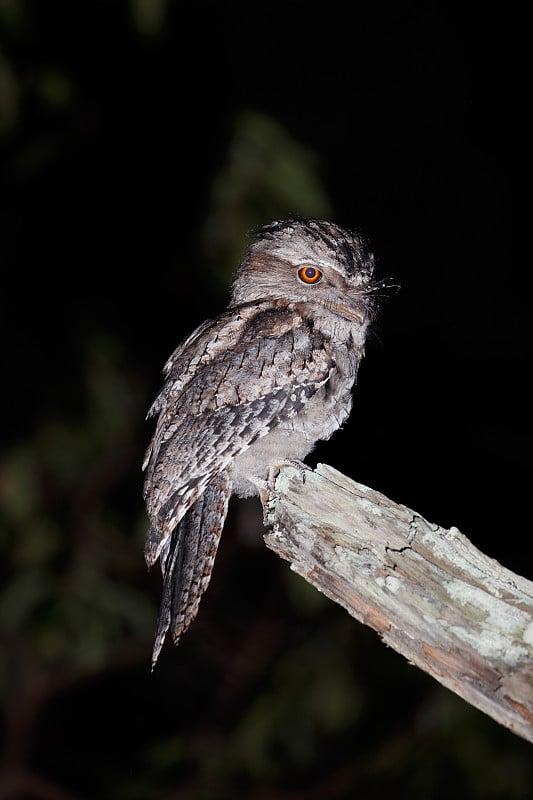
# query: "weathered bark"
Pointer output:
{"type": "Point", "coordinates": [428, 592]}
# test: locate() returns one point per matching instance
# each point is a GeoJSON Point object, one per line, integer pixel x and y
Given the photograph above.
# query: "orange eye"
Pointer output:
{"type": "Point", "coordinates": [309, 274]}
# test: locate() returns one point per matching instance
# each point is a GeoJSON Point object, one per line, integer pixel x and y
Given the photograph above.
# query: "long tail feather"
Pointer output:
{"type": "Point", "coordinates": [187, 561]}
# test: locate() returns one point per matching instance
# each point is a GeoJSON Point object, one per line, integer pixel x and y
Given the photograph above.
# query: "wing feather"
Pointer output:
{"type": "Point", "coordinates": [253, 367]}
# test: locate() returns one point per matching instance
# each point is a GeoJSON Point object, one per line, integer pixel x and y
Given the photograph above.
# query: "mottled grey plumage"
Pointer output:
{"type": "Point", "coordinates": [258, 385]}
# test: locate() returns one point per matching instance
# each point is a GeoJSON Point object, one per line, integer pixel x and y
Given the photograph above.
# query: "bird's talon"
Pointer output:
{"type": "Point", "coordinates": [275, 469]}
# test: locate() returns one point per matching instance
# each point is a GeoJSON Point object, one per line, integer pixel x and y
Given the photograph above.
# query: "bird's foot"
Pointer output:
{"type": "Point", "coordinates": [274, 470]}
{"type": "Point", "coordinates": [267, 489]}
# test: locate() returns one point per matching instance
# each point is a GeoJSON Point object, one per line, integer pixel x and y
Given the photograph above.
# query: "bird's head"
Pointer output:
{"type": "Point", "coordinates": [309, 261]}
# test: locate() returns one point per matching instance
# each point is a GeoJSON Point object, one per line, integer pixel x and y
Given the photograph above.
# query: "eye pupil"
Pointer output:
{"type": "Point", "coordinates": [310, 272]}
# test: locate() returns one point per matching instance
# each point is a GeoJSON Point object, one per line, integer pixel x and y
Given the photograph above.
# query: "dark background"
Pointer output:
{"type": "Point", "coordinates": [141, 141]}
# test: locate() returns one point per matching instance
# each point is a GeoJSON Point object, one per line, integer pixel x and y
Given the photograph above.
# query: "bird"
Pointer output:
{"type": "Point", "coordinates": [249, 390]}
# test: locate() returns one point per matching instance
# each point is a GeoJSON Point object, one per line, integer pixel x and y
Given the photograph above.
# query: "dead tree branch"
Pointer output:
{"type": "Point", "coordinates": [428, 592]}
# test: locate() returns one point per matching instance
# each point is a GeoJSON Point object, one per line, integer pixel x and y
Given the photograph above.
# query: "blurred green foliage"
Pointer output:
{"type": "Point", "coordinates": [69, 559]}
{"type": "Point", "coordinates": [267, 175]}
{"type": "Point", "coordinates": [148, 16]}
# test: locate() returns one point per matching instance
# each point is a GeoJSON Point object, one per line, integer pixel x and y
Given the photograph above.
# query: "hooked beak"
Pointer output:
{"type": "Point", "coordinates": [354, 313]}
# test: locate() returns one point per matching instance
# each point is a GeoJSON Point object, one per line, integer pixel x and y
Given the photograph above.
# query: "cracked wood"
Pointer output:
{"type": "Point", "coordinates": [428, 592]}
